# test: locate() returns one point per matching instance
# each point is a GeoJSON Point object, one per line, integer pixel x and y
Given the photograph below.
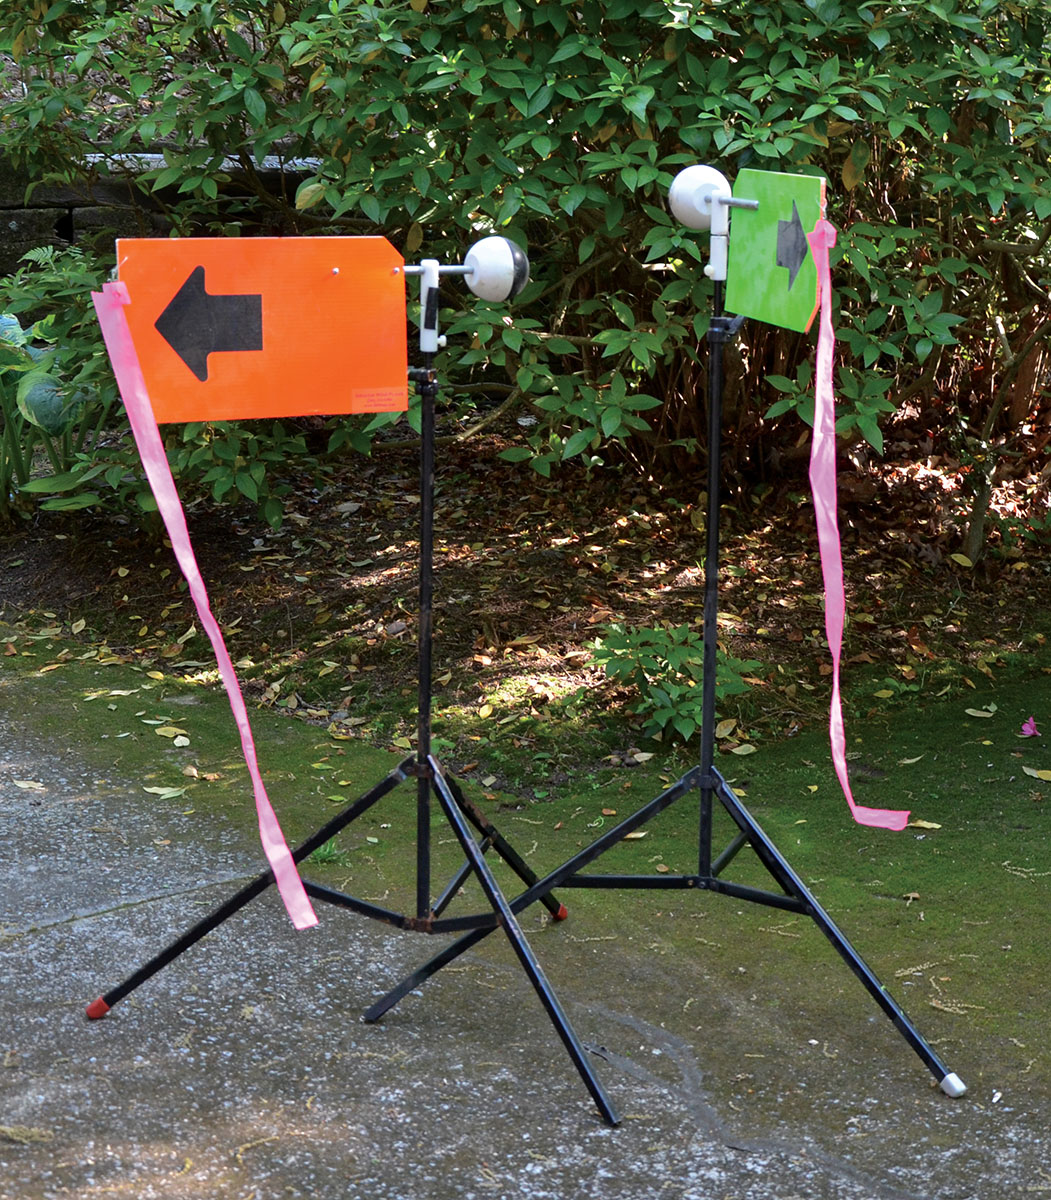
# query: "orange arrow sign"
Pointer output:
{"type": "Point", "coordinates": [234, 328]}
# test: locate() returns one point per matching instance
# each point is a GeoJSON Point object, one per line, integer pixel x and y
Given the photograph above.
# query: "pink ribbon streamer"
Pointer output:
{"type": "Point", "coordinates": [823, 484]}
{"type": "Point", "coordinates": [109, 305]}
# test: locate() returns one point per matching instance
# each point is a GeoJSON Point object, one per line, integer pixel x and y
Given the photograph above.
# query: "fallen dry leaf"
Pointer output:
{"type": "Point", "coordinates": [24, 1134]}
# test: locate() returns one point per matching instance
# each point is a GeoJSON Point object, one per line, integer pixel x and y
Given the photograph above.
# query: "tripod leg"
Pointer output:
{"type": "Point", "coordinates": [525, 955]}
{"type": "Point", "coordinates": [776, 864]}
{"type": "Point", "coordinates": [98, 1008]}
{"type": "Point", "coordinates": [500, 844]}
{"type": "Point", "coordinates": [420, 976]}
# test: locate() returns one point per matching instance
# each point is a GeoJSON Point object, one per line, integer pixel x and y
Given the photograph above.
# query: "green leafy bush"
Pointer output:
{"type": "Point", "coordinates": [250, 460]}
{"type": "Point", "coordinates": [56, 392]}
{"type": "Point", "coordinates": [15, 447]}
{"type": "Point", "coordinates": [65, 437]}
{"type": "Point", "coordinates": [665, 665]}
{"type": "Point", "coordinates": [561, 123]}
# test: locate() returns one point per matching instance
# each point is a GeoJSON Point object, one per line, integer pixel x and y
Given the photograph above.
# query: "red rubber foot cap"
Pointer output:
{"type": "Point", "coordinates": [562, 913]}
{"type": "Point", "coordinates": [97, 1008]}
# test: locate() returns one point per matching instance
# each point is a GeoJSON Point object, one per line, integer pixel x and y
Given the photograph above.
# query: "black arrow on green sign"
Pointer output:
{"type": "Point", "coordinates": [791, 245]}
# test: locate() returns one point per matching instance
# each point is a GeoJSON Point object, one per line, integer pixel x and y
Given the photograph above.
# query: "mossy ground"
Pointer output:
{"type": "Point", "coordinates": [951, 913]}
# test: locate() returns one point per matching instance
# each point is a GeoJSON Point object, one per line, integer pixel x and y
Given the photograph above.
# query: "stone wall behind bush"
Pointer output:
{"type": "Point", "coordinates": [53, 215]}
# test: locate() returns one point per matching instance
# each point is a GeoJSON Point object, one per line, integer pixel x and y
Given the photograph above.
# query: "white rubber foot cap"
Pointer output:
{"type": "Point", "coordinates": [953, 1085]}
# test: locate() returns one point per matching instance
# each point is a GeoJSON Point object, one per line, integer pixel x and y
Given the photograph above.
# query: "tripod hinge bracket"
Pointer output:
{"type": "Point", "coordinates": [419, 924]}
{"type": "Point", "coordinates": [722, 329]}
{"type": "Point", "coordinates": [426, 381]}
{"type": "Point", "coordinates": [419, 769]}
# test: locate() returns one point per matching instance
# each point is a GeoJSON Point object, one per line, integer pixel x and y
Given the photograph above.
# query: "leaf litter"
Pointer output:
{"type": "Point", "coordinates": [588, 549]}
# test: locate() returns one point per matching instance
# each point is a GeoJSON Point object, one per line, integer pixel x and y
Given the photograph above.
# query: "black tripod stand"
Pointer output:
{"type": "Point", "coordinates": [712, 788]}
{"type": "Point", "coordinates": [477, 836]}
{"type": "Point", "coordinates": [474, 832]}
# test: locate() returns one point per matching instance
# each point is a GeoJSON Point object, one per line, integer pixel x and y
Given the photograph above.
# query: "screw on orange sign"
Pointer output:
{"type": "Point", "coordinates": [233, 328]}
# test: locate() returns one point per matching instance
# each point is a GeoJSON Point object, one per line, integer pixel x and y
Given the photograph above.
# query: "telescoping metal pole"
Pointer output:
{"type": "Point", "coordinates": [499, 273]}
{"type": "Point", "coordinates": [428, 388]}
{"type": "Point", "coordinates": [716, 340]}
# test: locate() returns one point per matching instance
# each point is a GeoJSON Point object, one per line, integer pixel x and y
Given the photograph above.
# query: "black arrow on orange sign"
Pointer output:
{"type": "Point", "coordinates": [196, 324]}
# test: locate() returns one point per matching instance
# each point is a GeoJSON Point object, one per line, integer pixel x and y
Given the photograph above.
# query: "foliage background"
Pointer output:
{"type": "Point", "coordinates": [562, 124]}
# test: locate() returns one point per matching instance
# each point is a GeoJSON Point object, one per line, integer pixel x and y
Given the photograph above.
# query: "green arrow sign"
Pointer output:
{"type": "Point", "coordinates": [771, 273]}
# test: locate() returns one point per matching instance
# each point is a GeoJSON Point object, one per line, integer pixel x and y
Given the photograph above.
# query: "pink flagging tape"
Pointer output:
{"type": "Point", "coordinates": [823, 484]}
{"type": "Point", "coordinates": [109, 305]}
